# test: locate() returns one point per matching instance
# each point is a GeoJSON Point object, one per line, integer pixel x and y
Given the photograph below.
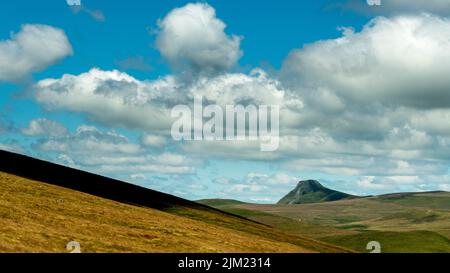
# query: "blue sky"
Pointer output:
{"type": "Point", "coordinates": [364, 122]}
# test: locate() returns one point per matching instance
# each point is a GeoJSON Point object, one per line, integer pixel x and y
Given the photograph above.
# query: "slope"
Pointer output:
{"type": "Point", "coordinates": [44, 217]}
{"type": "Point", "coordinates": [402, 222]}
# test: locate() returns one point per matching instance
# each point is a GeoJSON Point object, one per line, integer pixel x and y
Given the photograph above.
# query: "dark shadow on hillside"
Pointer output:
{"type": "Point", "coordinates": [93, 184]}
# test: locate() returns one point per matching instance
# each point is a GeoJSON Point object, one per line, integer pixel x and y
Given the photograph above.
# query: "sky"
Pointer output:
{"type": "Point", "coordinates": [363, 90]}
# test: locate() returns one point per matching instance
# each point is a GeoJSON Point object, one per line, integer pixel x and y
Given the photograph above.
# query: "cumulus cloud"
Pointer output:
{"type": "Point", "coordinates": [89, 140]}
{"type": "Point", "coordinates": [363, 165]}
{"type": "Point", "coordinates": [116, 98]}
{"type": "Point", "coordinates": [111, 153]}
{"type": "Point", "coordinates": [193, 40]}
{"type": "Point", "coordinates": [42, 126]}
{"type": "Point", "coordinates": [32, 49]}
{"type": "Point", "coordinates": [237, 88]}
{"type": "Point", "coordinates": [371, 104]}
{"type": "Point", "coordinates": [396, 6]}
{"type": "Point", "coordinates": [380, 92]}
{"type": "Point", "coordinates": [395, 61]}
{"type": "Point", "coordinates": [112, 97]}
{"type": "Point", "coordinates": [369, 185]}
{"type": "Point", "coordinates": [268, 188]}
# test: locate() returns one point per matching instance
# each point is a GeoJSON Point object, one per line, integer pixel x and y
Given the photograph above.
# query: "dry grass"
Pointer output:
{"type": "Point", "coordinates": [37, 217]}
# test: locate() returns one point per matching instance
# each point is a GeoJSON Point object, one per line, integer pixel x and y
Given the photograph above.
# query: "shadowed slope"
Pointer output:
{"type": "Point", "coordinates": [108, 215]}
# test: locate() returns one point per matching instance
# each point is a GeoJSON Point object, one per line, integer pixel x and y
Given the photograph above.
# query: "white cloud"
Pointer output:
{"type": "Point", "coordinates": [237, 88]}
{"type": "Point", "coordinates": [88, 140]}
{"type": "Point", "coordinates": [148, 168]}
{"type": "Point", "coordinates": [111, 153]}
{"type": "Point", "coordinates": [116, 98]}
{"type": "Point", "coordinates": [375, 101]}
{"type": "Point", "coordinates": [12, 147]}
{"type": "Point", "coordinates": [242, 188]}
{"type": "Point", "coordinates": [276, 179]}
{"type": "Point", "coordinates": [396, 61]}
{"type": "Point", "coordinates": [42, 126]}
{"type": "Point", "coordinates": [153, 140]}
{"type": "Point", "coordinates": [368, 104]}
{"type": "Point", "coordinates": [445, 187]}
{"type": "Point", "coordinates": [368, 184]}
{"type": "Point", "coordinates": [397, 6]}
{"type": "Point", "coordinates": [192, 38]}
{"type": "Point", "coordinates": [111, 97]}
{"type": "Point", "coordinates": [256, 187]}
{"type": "Point", "coordinates": [390, 184]}
{"type": "Point", "coordinates": [32, 49]}
{"type": "Point", "coordinates": [138, 176]}
{"type": "Point", "coordinates": [171, 159]}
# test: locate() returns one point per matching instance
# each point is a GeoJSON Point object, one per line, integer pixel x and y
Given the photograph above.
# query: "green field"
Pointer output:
{"type": "Point", "coordinates": [400, 222]}
{"type": "Point", "coordinates": [404, 242]}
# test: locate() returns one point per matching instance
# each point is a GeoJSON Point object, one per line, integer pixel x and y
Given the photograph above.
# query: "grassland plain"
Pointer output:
{"type": "Point", "coordinates": [406, 222]}
{"type": "Point", "coordinates": [38, 217]}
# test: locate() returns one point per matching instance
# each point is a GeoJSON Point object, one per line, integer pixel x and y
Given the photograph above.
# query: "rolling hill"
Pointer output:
{"type": "Point", "coordinates": [43, 206]}
{"type": "Point", "coordinates": [311, 191]}
{"type": "Point", "coordinates": [401, 222]}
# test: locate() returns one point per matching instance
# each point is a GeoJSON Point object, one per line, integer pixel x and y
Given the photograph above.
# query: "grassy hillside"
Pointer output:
{"type": "Point", "coordinates": [43, 206]}
{"type": "Point", "coordinates": [407, 222]}
{"type": "Point", "coordinates": [219, 202]}
{"type": "Point", "coordinates": [38, 217]}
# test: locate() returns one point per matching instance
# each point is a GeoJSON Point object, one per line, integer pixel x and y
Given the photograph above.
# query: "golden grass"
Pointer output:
{"type": "Point", "coordinates": [37, 217]}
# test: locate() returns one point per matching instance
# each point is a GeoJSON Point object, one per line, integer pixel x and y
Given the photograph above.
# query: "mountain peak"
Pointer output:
{"type": "Point", "coordinates": [311, 191]}
{"type": "Point", "coordinates": [314, 184]}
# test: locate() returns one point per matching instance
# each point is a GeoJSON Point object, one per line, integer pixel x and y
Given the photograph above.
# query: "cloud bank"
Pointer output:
{"type": "Point", "coordinates": [371, 105]}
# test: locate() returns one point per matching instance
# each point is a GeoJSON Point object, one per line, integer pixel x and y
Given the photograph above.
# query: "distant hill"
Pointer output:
{"type": "Point", "coordinates": [400, 222]}
{"type": "Point", "coordinates": [219, 202]}
{"type": "Point", "coordinates": [311, 191]}
{"type": "Point", "coordinates": [43, 206]}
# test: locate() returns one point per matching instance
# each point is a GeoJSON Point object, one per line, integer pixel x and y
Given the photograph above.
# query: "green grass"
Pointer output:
{"type": "Point", "coordinates": [395, 242]}
{"type": "Point", "coordinates": [219, 202]}
{"type": "Point", "coordinates": [404, 222]}
{"type": "Point", "coordinates": [430, 200]}
{"type": "Point", "coordinates": [346, 219]}
{"type": "Point", "coordinates": [355, 227]}
{"type": "Point", "coordinates": [286, 224]}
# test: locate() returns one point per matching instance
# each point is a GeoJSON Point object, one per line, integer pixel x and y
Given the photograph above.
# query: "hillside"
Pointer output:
{"type": "Point", "coordinates": [44, 206]}
{"type": "Point", "coordinates": [219, 202]}
{"type": "Point", "coordinates": [311, 191]}
{"type": "Point", "coordinates": [401, 222]}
